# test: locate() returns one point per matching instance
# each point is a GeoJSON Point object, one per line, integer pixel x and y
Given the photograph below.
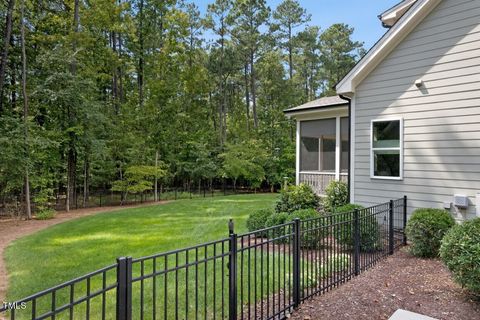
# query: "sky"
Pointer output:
{"type": "Point", "coordinates": [360, 14]}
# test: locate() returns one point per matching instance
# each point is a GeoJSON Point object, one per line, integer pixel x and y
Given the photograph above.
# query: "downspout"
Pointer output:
{"type": "Point", "coordinates": [349, 139]}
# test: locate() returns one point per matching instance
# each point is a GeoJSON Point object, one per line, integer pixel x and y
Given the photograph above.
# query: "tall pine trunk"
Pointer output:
{"type": "Point", "coordinates": [141, 59]}
{"type": "Point", "coordinates": [156, 177]}
{"type": "Point", "coordinates": [290, 51]}
{"type": "Point", "coordinates": [254, 90]}
{"type": "Point", "coordinates": [28, 209]}
{"type": "Point", "coordinates": [247, 95]}
{"type": "Point", "coordinates": [6, 40]}
{"type": "Point", "coordinates": [71, 153]}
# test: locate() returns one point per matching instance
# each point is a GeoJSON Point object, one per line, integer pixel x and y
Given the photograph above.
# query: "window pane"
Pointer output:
{"type": "Point", "coordinates": [345, 152]}
{"type": "Point", "coordinates": [386, 134]}
{"type": "Point", "coordinates": [317, 147]}
{"type": "Point", "coordinates": [327, 164]}
{"type": "Point", "coordinates": [309, 154]}
{"type": "Point", "coordinates": [386, 163]}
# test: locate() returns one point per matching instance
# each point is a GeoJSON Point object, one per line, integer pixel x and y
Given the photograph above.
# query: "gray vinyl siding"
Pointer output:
{"type": "Point", "coordinates": [441, 121]}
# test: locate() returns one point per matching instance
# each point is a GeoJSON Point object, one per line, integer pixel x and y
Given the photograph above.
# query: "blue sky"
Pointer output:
{"type": "Point", "coordinates": [360, 14]}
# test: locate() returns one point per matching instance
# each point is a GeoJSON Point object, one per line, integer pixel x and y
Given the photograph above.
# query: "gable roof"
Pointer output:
{"type": "Point", "coordinates": [415, 14]}
{"type": "Point", "coordinates": [322, 103]}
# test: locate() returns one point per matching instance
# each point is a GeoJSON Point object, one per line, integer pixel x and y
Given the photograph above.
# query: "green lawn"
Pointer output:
{"type": "Point", "coordinates": [74, 248]}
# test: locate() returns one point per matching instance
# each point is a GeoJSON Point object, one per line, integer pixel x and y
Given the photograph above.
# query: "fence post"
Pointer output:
{"type": "Point", "coordinates": [356, 241]}
{"type": "Point", "coordinates": [232, 276]}
{"type": "Point", "coordinates": [124, 288]}
{"type": "Point", "coordinates": [404, 219]}
{"type": "Point", "coordinates": [296, 263]}
{"type": "Point", "coordinates": [391, 244]}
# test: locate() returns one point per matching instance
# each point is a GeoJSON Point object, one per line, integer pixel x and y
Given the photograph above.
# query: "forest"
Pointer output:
{"type": "Point", "coordinates": [130, 95]}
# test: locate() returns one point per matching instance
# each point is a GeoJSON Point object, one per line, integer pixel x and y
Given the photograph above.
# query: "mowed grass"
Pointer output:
{"type": "Point", "coordinates": [74, 248]}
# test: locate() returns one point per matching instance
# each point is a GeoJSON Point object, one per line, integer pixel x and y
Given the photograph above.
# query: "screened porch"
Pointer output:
{"type": "Point", "coordinates": [322, 152]}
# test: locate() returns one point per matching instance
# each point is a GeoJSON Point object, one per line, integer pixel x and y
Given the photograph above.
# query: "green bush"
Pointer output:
{"type": "Point", "coordinates": [310, 238]}
{"type": "Point", "coordinates": [276, 219]}
{"type": "Point", "coordinates": [347, 208]}
{"type": "Point", "coordinates": [294, 198]}
{"type": "Point", "coordinates": [336, 195]}
{"type": "Point", "coordinates": [425, 230]}
{"type": "Point", "coordinates": [460, 251]}
{"type": "Point", "coordinates": [45, 214]}
{"type": "Point", "coordinates": [343, 231]}
{"type": "Point", "coordinates": [257, 221]}
{"type": "Point", "coordinates": [338, 263]}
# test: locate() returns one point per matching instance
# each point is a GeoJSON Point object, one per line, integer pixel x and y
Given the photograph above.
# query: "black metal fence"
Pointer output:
{"type": "Point", "coordinates": [14, 206]}
{"type": "Point", "coordinates": [263, 274]}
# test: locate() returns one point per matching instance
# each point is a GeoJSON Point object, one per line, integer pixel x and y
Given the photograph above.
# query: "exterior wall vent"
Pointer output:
{"type": "Point", "coordinates": [460, 201]}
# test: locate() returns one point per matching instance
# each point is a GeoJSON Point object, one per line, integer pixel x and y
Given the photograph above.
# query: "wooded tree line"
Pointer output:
{"type": "Point", "coordinates": [102, 94]}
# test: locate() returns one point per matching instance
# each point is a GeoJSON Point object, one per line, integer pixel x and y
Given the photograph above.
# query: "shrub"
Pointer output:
{"type": "Point", "coordinates": [298, 197]}
{"type": "Point", "coordinates": [45, 214]}
{"type": "Point", "coordinates": [425, 230]}
{"type": "Point", "coordinates": [338, 263]}
{"type": "Point", "coordinates": [311, 237]}
{"type": "Point", "coordinates": [257, 221]}
{"type": "Point", "coordinates": [336, 195]}
{"type": "Point", "coordinates": [460, 251]}
{"type": "Point", "coordinates": [347, 208]}
{"type": "Point", "coordinates": [343, 230]}
{"type": "Point", "coordinates": [274, 220]}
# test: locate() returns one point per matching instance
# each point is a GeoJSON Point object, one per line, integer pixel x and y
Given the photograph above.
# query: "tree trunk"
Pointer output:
{"type": "Point", "coordinates": [28, 209]}
{"type": "Point", "coordinates": [72, 154]}
{"type": "Point", "coordinates": [6, 40]}
{"type": "Point", "coordinates": [254, 91]}
{"type": "Point", "coordinates": [247, 96]}
{"type": "Point", "coordinates": [13, 79]}
{"type": "Point", "coordinates": [86, 178]}
{"type": "Point", "coordinates": [141, 61]}
{"type": "Point", "coordinates": [290, 51]}
{"type": "Point", "coordinates": [156, 178]}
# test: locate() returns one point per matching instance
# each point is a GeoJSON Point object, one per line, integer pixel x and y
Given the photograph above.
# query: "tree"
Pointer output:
{"type": "Point", "coordinates": [339, 54]}
{"type": "Point", "coordinates": [28, 209]}
{"type": "Point", "coordinates": [288, 16]}
{"type": "Point", "coordinates": [6, 44]}
{"type": "Point", "coordinates": [138, 179]}
{"type": "Point", "coordinates": [244, 160]}
{"type": "Point", "coordinates": [248, 16]}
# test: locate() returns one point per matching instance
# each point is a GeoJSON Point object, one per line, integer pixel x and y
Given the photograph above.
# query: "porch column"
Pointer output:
{"type": "Point", "coordinates": [338, 149]}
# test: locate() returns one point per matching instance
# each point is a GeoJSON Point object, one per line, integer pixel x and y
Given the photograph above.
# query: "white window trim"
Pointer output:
{"type": "Point", "coordinates": [400, 148]}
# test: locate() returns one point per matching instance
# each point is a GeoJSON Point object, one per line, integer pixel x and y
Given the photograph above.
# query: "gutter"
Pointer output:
{"type": "Point", "coordinates": [349, 140]}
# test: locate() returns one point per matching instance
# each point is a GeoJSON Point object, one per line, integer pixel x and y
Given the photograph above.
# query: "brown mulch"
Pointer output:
{"type": "Point", "coordinates": [13, 229]}
{"type": "Point", "coordinates": [400, 282]}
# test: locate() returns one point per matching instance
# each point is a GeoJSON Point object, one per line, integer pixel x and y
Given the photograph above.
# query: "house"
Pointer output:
{"type": "Point", "coordinates": [411, 108]}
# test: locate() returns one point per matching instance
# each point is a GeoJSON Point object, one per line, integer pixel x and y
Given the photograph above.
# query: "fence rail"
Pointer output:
{"type": "Point", "coordinates": [263, 274]}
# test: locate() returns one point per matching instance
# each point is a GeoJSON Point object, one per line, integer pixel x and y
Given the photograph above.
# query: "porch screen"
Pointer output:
{"type": "Point", "coordinates": [317, 145]}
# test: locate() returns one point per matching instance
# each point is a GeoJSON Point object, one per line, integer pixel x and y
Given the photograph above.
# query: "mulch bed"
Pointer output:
{"type": "Point", "coordinates": [400, 282]}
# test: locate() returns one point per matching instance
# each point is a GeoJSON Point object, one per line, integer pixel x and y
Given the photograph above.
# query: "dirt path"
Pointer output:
{"type": "Point", "coordinates": [14, 229]}
{"type": "Point", "coordinates": [400, 282]}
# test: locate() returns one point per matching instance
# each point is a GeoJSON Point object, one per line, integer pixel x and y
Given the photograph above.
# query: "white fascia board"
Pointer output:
{"type": "Point", "coordinates": [382, 48]}
{"type": "Point", "coordinates": [391, 16]}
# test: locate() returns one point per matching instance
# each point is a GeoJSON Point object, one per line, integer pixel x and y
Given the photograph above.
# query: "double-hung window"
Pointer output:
{"type": "Point", "coordinates": [386, 158]}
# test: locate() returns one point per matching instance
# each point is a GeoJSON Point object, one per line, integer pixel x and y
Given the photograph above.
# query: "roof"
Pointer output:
{"type": "Point", "coordinates": [415, 14]}
{"type": "Point", "coordinates": [391, 16]}
{"type": "Point", "coordinates": [325, 102]}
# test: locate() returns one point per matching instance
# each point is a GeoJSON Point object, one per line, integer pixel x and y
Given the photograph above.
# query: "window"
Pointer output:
{"type": "Point", "coordinates": [317, 145]}
{"type": "Point", "coordinates": [344, 145]}
{"type": "Point", "coordinates": [387, 144]}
